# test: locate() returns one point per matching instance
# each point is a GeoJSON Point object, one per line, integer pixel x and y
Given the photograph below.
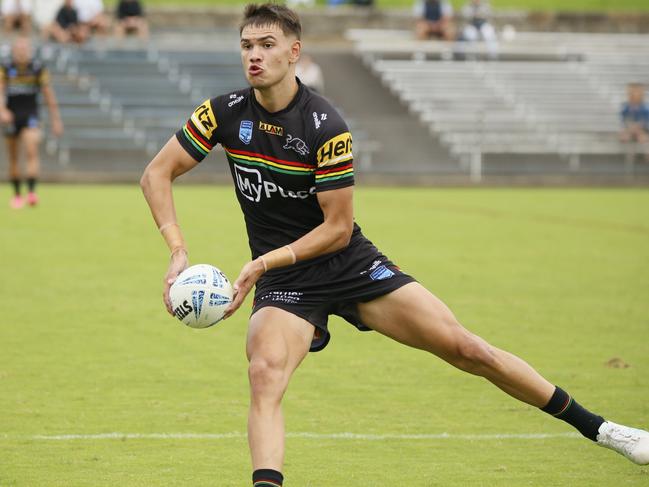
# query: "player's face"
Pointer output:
{"type": "Point", "coordinates": [21, 51]}
{"type": "Point", "coordinates": [268, 55]}
{"type": "Point", "coordinates": [636, 94]}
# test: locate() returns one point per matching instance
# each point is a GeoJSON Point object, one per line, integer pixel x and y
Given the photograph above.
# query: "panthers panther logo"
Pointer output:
{"type": "Point", "coordinates": [296, 144]}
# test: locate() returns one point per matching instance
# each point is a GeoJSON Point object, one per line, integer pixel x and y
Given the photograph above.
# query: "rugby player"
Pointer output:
{"type": "Point", "coordinates": [21, 81]}
{"type": "Point", "coordinates": [290, 156]}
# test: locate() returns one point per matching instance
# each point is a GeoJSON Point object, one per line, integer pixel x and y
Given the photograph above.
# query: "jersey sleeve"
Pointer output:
{"type": "Point", "coordinates": [334, 158]}
{"type": "Point", "coordinates": [43, 76]}
{"type": "Point", "coordinates": [198, 136]}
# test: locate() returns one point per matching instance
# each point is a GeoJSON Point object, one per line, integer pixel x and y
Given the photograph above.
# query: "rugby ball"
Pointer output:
{"type": "Point", "coordinates": [200, 295]}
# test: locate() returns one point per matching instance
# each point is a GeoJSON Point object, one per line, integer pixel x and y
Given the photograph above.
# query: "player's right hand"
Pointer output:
{"type": "Point", "coordinates": [6, 117]}
{"type": "Point", "coordinates": [179, 262]}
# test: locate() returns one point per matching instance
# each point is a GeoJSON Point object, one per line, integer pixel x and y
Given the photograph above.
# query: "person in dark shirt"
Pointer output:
{"type": "Point", "coordinates": [290, 156]}
{"type": "Point", "coordinates": [434, 20]}
{"type": "Point", "coordinates": [21, 81]}
{"type": "Point", "coordinates": [131, 20]}
{"type": "Point", "coordinates": [635, 115]}
{"type": "Point", "coordinates": [66, 27]}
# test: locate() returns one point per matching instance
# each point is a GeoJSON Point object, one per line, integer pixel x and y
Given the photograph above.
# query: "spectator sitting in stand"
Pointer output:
{"type": "Point", "coordinates": [434, 20]}
{"type": "Point", "coordinates": [66, 27]}
{"type": "Point", "coordinates": [130, 19]}
{"type": "Point", "coordinates": [92, 16]}
{"type": "Point", "coordinates": [476, 13]}
{"type": "Point", "coordinates": [310, 73]}
{"type": "Point", "coordinates": [635, 116]}
{"type": "Point", "coordinates": [16, 15]}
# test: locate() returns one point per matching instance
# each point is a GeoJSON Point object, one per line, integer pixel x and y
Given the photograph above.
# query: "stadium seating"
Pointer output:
{"type": "Point", "coordinates": [552, 95]}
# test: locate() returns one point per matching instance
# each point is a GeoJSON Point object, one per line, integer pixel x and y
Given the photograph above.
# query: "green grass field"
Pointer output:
{"type": "Point", "coordinates": [559, 276]}
{"type": "Point", "coordinates": [542, 5]}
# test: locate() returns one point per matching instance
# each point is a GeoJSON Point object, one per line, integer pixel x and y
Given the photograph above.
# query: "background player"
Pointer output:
{"type": "Point", "coordinates": [293, 173]}
{"type": "Point", "coordinates": [21, 81]}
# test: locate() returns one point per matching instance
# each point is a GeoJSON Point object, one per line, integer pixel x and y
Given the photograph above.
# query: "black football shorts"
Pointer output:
{"type": "Point", "coordinates": [20, 122]}
{"type": "Point", "coordinates": [333, 285]}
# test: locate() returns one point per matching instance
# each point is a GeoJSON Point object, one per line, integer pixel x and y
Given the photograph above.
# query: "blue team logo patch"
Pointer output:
{"type": "Point", "coordinates": [380, 273]}
{"type": "Point", "coordinates": [245, 131]}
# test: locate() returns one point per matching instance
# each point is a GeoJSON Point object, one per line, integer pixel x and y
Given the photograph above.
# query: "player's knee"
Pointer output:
{"type": "Point", "coordinates": [474, 355]}
{"type": "Point", "coordinates": [266, 376]}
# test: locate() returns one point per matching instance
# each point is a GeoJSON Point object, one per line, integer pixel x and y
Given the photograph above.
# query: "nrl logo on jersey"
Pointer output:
{"type": "Point", "coordinates": [271, 129]}
{"type": "Point", "coordinates": [204, 119]}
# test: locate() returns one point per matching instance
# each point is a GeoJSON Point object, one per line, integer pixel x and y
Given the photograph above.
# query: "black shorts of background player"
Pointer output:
{"type": "Point", "coordinates": [290, 156]}
{"type": "Point", "coordinates": [21, 82]}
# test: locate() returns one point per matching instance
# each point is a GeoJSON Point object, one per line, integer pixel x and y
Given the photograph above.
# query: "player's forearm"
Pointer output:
{"type": "Point", "coordinates": [326, 238]}
{"type": "Point", "coordinates": [156, 186]}
{"type": "Point", "coordinates": [52, 104]}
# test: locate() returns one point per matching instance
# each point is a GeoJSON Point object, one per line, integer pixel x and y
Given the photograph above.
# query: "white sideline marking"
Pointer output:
{"type": "Point", "coordinates": [312, 436]}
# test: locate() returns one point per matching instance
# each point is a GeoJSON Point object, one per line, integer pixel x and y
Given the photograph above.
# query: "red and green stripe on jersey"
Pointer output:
{"type": "Point", "coordinates": [254, 159]}
{"type": "Point", "coordinates": [200, 145]}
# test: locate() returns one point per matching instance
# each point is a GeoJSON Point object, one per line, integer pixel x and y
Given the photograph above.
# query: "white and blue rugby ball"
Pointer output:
{"type": "Point", "coordinates": [200, 295]}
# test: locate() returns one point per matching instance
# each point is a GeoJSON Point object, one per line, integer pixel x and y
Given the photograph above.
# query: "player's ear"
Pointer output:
{"type": "Point", "coordinates": [296, 48]}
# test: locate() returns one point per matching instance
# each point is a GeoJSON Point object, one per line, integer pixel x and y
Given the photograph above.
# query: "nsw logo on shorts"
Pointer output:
{"type": "Point", "coordinates": [380, 273]}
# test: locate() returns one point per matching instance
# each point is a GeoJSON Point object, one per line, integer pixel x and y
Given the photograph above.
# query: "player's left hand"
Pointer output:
{"type": "Point", "coordinates": [249, 275]}
{"type": "Point", "coordinates": [57, 127]}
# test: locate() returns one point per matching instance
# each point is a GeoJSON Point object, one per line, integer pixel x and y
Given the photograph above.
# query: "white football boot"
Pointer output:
{"type": "Point", "coordinates": [631, 442]}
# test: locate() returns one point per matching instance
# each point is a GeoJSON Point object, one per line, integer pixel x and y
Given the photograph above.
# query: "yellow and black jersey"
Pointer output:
{"type": "Point", "coordinates": [23, 85]}
{"type": "Point", "coordinates": [279, 161]}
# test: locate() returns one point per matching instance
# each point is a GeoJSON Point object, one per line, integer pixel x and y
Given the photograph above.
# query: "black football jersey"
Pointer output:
{"type": "Point", "coordinates": [279, 161]}
{"type": "Point", "coordinates": [23, 85]}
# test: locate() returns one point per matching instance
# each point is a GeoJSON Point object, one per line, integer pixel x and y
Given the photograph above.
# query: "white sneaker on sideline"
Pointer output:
{"type": "Point", "coordinates": [633, 443]}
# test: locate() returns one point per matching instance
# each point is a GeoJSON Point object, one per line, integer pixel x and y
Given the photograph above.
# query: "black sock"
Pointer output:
{"type": "Point", "coordinates": [15, 182]}
{"type": "Point", "coordinates": [565, 408]}
{"type": "Point", "coordinates": [266, 477]}
{"type": "Point", "coordinates": [31, 184]}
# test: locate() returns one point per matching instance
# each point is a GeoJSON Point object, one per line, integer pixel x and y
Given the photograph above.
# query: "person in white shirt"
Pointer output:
{"type": "Point", "coordinates": [310, 73]}
{"type": "Point", "coordinates": [476, 13]}
{"type": "Point", "coordinates": [92, 16]}
{"type": "Point", "coordinates": [16, 14]}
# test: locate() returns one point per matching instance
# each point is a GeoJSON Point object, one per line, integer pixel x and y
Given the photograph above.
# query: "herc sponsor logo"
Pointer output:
{"type": "Point", "coordinates": [251, 185]}
{"type": "Point", "coordinates": [335, 150]}
{"type": "Point", "coordinates": [204, 120]}
{"type": "Point", "coordinates": [271, 129]}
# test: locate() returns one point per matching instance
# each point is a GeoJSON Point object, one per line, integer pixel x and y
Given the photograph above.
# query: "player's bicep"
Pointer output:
{"type": "Point", "coordinates": [338, 208]}
{"type": "Point", "coordinates": [172, 160]}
